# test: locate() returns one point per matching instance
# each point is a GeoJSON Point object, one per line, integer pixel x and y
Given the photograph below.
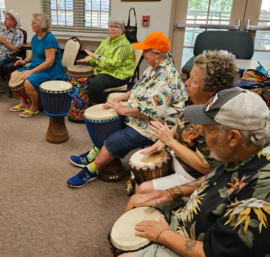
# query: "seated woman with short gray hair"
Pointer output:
{"type": "Point", "coordinates": [112, 62]}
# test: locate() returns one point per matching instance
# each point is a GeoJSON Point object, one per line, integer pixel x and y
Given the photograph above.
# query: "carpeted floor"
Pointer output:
{"type": "Point", "coordinates": [39, 214]}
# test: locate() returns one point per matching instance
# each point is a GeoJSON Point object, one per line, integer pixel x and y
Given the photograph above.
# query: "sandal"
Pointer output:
{"type": "Point", "coordinates": [18, 109]}
{"type": "Point", "coordinates": [30, 114]}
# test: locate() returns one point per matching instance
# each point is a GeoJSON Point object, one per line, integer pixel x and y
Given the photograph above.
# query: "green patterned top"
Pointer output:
{"type": "Point", "coordinates": [116, 58]}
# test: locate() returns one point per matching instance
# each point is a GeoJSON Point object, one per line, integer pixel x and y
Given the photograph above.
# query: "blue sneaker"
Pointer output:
{"type": "Point", "coordinates": [82, 178]}
{"type": "Point", "coordinates": [80, 161]}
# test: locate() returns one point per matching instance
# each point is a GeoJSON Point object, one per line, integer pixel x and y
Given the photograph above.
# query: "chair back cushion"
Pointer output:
{"type": "Point", "coordinates": [241, 44]}
{"type": "Point", "coordinates": [137, 54]}
{"type": "Point", "coordinates": [71, 51]}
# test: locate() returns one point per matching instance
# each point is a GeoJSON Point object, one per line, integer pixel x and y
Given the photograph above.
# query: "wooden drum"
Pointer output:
{"type": "Point", "coordinates": [150, 166]}
{"type": "Point", "coordinates": [79, 76]}
{"type": "Point", "coordinates": [56, 99]}
{"type": "Point", "coordinates": [122, 236]}
{"type": "Point", "coordinates": [16, 84]}
{"type": "Point", "coordinates": [101, 123]}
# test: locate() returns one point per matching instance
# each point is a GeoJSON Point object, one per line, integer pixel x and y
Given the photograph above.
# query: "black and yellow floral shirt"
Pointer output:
{"type": "Point", "coordinates": [188, 135]}
{"type": "Point", "coordinates": [230, 212]}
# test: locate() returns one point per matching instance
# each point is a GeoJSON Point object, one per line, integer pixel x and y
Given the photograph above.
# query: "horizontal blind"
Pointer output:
{"type": "Point", "coordinates": [2, 8]}
{"type": "Point", "coordinates": [86, 16]}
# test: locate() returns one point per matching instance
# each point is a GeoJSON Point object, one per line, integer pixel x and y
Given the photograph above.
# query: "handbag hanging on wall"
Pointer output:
{"type": "Point", "coordinates": [131, 31]}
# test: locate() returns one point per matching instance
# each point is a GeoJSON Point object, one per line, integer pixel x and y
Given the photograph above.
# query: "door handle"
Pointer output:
{"type": "Point", "coordinates": [249, 27]}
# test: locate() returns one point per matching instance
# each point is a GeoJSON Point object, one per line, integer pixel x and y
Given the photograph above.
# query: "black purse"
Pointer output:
{"type": "Point", "coordinates": [131, 31]}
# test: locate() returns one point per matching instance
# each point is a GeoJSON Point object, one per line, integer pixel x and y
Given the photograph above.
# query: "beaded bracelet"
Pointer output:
{"type": "Point", "coordinates": [159, 233]}
{"type": "Point", "coordinates": [176, 193]}
{"type": "Point", "coordinates": [98, 58]}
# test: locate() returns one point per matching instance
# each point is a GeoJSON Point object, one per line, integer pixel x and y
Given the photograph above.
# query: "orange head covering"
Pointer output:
{"type": "Point", "coordinates": [155, 40]}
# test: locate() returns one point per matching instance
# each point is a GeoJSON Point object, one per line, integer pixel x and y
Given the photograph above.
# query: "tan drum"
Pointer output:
{"type": "Point", "coordinates": [101, 123]}
{"type": "Point", "coordinates": [114, 95]}
{"type": "Point", "coordinates": [79, 76]}
{"type": "Point", "coordinates": [16, 84]}
{"type": "Point", "coordinates": [56, 98]}
{"type": "Point", "coordinates": [150, 166]}
{"type": "Point", "coordinates": [122, 236]}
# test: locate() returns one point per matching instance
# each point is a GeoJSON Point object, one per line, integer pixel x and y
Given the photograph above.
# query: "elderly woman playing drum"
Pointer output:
{"type": "Point", "coordinates": [45, 64]}
{"type": "Point", "coordinates": [158, 95]}
{"type": "Point", "coordinates": [211, 73]}
{"type": "Point", "coordinates": [112, 62]}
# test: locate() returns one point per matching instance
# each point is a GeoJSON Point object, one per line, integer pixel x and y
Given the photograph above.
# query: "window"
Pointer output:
{"type": "Point", "coordinates": [78, 15]}
{"type": "Point", "coordinates": [2, 8]}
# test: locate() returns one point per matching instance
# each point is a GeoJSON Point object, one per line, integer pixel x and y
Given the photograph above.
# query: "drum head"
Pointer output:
{"type": "Point", "coordinates": [97, 112]}
{"type": "Point", "coordinates": [114, 95]}
{"type": "Point", "coordinates": [80, 71]}
{"type": "Point", "coordinates": [123, 232]}
{"type": "Point", "coordinates": [16, 80]}
{"type": "Point", "coordinates": [56, 86]}
{"type": "Point", "coordinates": [149, 160]}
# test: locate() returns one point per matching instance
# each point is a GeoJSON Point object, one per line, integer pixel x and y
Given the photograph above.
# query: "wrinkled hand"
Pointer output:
{"type": "Point", "coordinates": [161, 196]}
{"type": "Point", "coordinates": [158, 146]}
{"type": "Point", "coordinates": [162, 132]}
{"type": "Point", "coordinates": [118, 107]}
{"type": "Point", "coordinates": [150, 228]}
{"type": "Point", "coordinates": [20, 62]}
{"type": "Point", "coordinates": [91, 54]}
{"type": "Point", "coordinates": [26, 74]}
{"type": "Point", "coordinates": [85, 60]}
{"type": "Point", "coordinates": [110, 101]}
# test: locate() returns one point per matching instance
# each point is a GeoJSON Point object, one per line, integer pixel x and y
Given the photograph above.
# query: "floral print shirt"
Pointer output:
{"type": "Point", "coordinates": [231, 209]}
{"type": "Point", "coordinates": [160, 95]}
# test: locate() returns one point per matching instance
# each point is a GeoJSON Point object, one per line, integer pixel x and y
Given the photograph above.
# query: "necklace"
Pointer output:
{"type": "Point", "coordinates": [237, 166]}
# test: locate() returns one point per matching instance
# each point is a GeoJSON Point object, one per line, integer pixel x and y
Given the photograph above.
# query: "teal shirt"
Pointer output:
{"type": "Point", "coordinates": [116, 58]}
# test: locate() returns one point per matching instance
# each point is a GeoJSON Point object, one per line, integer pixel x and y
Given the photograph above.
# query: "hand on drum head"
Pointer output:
{"type": "Point", "coordinates": [158, 146]}
{"type": "Point", "coordinates": [26, 74]}
{"type": "Point", "coordinates": [118, 107]}
{"type": "Point", "coordinates": [161, 196]}
{"type": "Point", "coordinates": [162, 132]}
{"type": "Point", "coordinates": [85, 60]}
{"type": "Point", "coordinates": [20, 62]}
{"type": "Point", "coordinates": [107, 105]}
{"type": "Point", "coordinates": [151, 228]}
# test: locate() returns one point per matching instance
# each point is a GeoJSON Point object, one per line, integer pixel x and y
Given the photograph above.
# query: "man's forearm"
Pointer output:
{"type": "Point", "coordinates": [11, 47]}
{"type": "Point", "coordinates": [190, 187]}
{"type": "Point", "coordinates": [134, 112]}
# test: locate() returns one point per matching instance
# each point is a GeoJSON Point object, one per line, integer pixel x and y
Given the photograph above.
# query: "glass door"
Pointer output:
{"type": "Point", "coordinates": [192, 17]}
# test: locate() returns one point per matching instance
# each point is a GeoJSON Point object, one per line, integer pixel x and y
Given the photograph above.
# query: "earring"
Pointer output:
{"type": "Point", "coordinates": [156, 60]}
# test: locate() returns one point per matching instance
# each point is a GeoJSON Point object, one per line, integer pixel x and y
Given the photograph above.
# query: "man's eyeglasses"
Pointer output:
{"type": "Point", "coordinates": [7, 19]}
{"type": "Point", "coordinates": [114, 27]}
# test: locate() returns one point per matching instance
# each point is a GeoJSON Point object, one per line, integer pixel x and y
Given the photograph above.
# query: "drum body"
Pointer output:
{"type": "Point", "coordinates": [16, 84]}
{"type": "Point", "coordinates": [122, 236]}
{"type": "Point", "coordinates": [56, 99]}
{"type": "Point", "coordinates": [79, 76]}
{"type": "Point", "coordinates": [150, 166]}
{"type": "Point", "coordinates": [100, 124]}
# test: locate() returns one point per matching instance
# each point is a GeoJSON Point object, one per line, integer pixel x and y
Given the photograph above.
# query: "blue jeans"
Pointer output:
{"type": "Point", "coordinates": [4, 59]}
{"type": "Point", "coordinates": [121, 142]}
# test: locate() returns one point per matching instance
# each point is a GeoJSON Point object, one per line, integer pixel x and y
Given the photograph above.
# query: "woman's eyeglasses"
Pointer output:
{"type": "Point", "coordinates": [114, 27]}
{"type": "Point", "coordinates": [33, 23]}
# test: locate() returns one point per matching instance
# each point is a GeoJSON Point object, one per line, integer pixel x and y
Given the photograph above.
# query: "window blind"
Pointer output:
{"type": "Point", "coordinates": [2, 8]}
{"type": "Point", "coordinates": [86, 16]}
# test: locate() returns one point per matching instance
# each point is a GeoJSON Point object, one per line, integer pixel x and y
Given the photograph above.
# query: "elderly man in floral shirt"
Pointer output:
{"type": "Point", "coordinates": [159, 95]}
{"type": "Point", "coordinates": [228, 211]}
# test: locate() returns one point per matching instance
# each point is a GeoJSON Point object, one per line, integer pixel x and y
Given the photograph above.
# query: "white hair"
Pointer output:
{"type": "Point", "coordinates": [259, 137]}
{"type": "Point", "coordinates": [163, 55]}
{"type": "Point", "coordinates": [117, 20]}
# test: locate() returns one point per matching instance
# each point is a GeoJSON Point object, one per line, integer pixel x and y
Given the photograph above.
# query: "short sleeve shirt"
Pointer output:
{"type": "Point", "coordinates": [230, 212]}
{"type": "Point", "coordinates": [14, 36]}
{"type": "Point", "coordinates": [160, 95]}
{"type": "Point", "coordinates": [188, 135]}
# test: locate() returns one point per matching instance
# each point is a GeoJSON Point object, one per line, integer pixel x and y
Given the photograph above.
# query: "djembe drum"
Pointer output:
{"type": "Point", "coordinates": [79, 76]}
{"type": "Point", "coordinates": [150, 166]}
{"type": "Point", "coordinates": [56, 99]}
{"type": "Point", "coordinates": [122, 236]}
{"type": "Point", "coordinates": [101, 123]}
{"type": "Point", "coordinates": [16, 84]}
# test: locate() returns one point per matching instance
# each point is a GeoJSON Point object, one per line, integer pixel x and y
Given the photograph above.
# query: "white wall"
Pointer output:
{"type": "Point", "coordinates": [159, 17]}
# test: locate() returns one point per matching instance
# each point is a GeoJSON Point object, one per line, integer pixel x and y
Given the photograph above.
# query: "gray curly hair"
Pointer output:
{"type": "Point", "coordinates": [43, 21]}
